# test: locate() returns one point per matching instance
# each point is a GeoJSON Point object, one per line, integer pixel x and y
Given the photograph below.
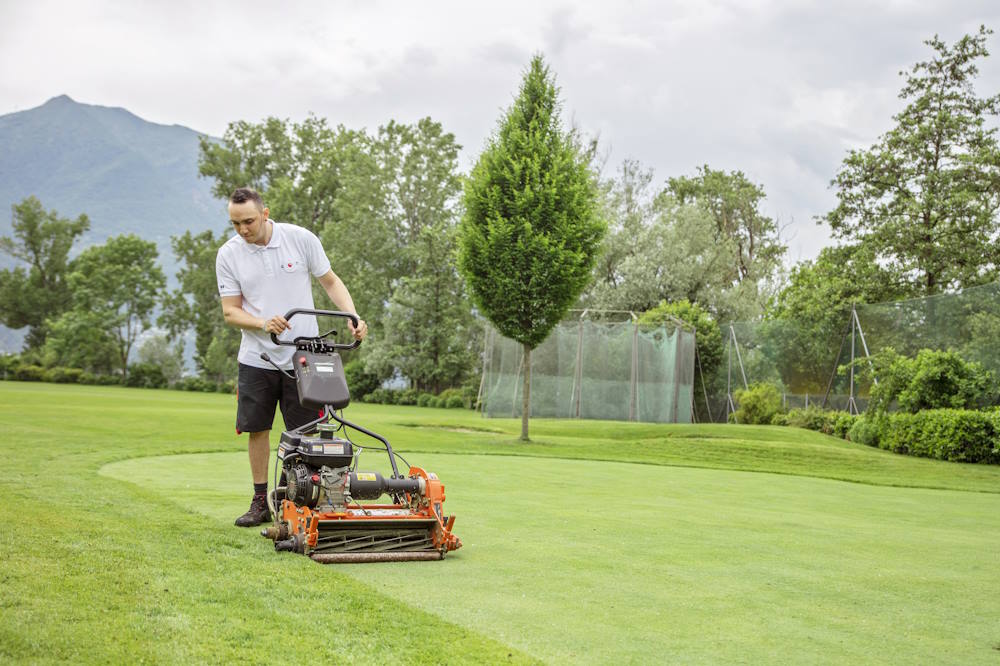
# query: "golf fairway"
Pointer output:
{"type": "Point", "coordinates": [598, 562]}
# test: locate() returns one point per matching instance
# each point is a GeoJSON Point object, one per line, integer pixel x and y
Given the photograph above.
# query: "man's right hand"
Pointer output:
{"type": "Point", "coordinates": [276, 325]}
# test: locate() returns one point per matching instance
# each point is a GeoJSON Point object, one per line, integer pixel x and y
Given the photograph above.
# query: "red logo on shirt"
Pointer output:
{"type": "Point", "coordinates": [289, 265]}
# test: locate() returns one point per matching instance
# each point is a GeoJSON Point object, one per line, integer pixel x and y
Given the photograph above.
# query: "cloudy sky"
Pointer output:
{"type": "Point", "coordinates": [778, 89]}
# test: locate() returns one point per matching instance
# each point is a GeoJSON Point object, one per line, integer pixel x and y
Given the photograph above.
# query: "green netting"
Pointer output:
{"type": "Point", "coordinates": [595, 370]}
{"type": "Point", "coordinates": [967, 322]}
{"type": "Point", "coordinates": [803, 357]}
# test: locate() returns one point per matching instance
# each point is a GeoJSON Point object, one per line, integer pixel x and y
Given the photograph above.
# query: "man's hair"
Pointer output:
{"type": "Point", "coordinates": [244, 194]}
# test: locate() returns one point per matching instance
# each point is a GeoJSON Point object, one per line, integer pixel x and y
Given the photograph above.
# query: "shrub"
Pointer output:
{"type": "Point", "coordinates": [436, 402]}
{"type": "Point", "coordinates": [424, 399]}
{"type": "Point", "coordinates": [195, 384]}
{"type": "Point", "coordinates": [29, 373]}
{"type": "Point", "coordinates": [811, 418]}
{"type": "Point", "coordinates": [448, 397]}
{"type": "Point", "coordinates": [108, 380]}
{"type": "Point", "coordinates": [779, 419]}
{"type": "Point", "coordinates": [842, 424]}
{"type": "Point", "coordinates": [945, 380]}
{"type": "Point", "coordinates": [145, 375]}
{"type": "Point", "coordinates": [228, 386]}
{"type": "Point", "coordinates": [931, 380]}
{"type": "Point", "coordinates": [868, 429]}
{"type": "Point", "coordinates": [60, 375]}
{"type": "Point", "coordinates": [407, 396]}
{"type": "Point", "coordinates": [8, 364]}
{"type": "Point", "coordinates": [959, 435]}
{"type": "Point", "coordinates": [382, 396]}
{"type": "Point", "coordinates": [455, 401]}
{"type": "Point", "coordinates": [360, 381]}
{"type": "Point", "coordinates": [757, 404]}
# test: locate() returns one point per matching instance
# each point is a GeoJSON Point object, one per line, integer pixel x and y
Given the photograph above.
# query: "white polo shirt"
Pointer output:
{"type": "Point", "coordinates": [272, 279]}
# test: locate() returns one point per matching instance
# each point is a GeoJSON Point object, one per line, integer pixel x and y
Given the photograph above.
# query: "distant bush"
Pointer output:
{"type": "Point", "coordinates": [424, 399]}
{"type": "Point", "coordinates": [145, 375]}
{"type": "Point", "coordinates": [448, 397]}
{"type": "Point", "coordinates": [228, 386]}
{"type": "Point", "coordinates": [195, 384]}
{"type": "Point", "coordinates": [360, 381]}
{"type": "Point", "coordinates": [455, 402]}
{"type": "Point", "coordinates": [959, 435]}
{"type": "Point", "coordinates": [60, 375]}
{"type": "Point", "coordinates": [8, 364]}
{"type": "Point", "coordinates": [868, 429]}
{"type": "Point", "coordinates": [757, 404]}
{"type": "Point", "coordinates": [382, 396]}
{"type": "Point", "coordinates": [779, 419]}
{"type": "Point", "coordinates": [930, 380]}
{"type": "Point", "coordinates": [812, 418]}
{"type": "Point", "coordinates": [29, 373]}
{"type": "Point", "coordinates": [843, 423]}
{"type": "Point", "coordinates": [108, 380]}
{"type": "Point", "coordinates": [436, 402]}
{"type": "Point", "coordinates": [407, 396]}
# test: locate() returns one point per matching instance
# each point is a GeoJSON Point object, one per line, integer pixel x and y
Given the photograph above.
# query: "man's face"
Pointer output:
{"type": "Point", "coordinates": [249, 221]}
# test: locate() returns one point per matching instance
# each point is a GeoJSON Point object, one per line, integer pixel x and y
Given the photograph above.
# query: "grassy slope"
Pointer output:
{"type": "Point", "coordinates": [103, 570]}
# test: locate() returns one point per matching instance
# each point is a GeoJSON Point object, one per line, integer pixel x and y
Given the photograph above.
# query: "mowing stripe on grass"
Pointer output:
{"type": "Point", "coordinates": [597, 562]}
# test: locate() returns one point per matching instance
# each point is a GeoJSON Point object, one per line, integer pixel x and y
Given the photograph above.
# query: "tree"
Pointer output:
{"type": "Point", "coordinates": [806, 325]}
{"type": "Point", "coordinates": [410, 183]}
{"type": "Point", "coordinates": [78, 338]}
{"type": "Point", "coordinates": [531, 228]}
{"type": "Point", "coordinates": [925, 197]}
{"type": "Point", "coordinates": [674, 254]}
{"type": "Point", "coordinates": [701, 238]}
{"type": "Point", "coordinates": [116, 286]}
{"type": "Point", "coordinates": [43, 240]}
{"type": "Point", "coordinates": [156, 351]}
{"type": "Point", "coordinates": [734, 202]}
{"type": "Point", "coordinates": [195, 303]}
{"type": "Point", "coordinates": [708, 339]}
{"type": "Point", "coordinates": [430, 333]}
{"type": "Point", "coordinates": [366, 197]}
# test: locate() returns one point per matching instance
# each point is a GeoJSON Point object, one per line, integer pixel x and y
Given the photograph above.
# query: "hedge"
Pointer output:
{"type": "Point", "coordinates": [957, 435]}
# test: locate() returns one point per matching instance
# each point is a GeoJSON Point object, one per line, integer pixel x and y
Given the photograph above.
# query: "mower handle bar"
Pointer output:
{"type": "Point", "coordinates": [328, 313]}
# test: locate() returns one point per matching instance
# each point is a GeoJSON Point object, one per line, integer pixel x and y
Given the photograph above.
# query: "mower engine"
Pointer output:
{"type": "Point", "coordinates": [321, 514]}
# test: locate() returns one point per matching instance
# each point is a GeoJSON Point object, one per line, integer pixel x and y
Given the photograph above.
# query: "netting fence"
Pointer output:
{"type": "Point", "coordinates": [593, 369]}
{"type": "Point", "coordinates": [810, 360]}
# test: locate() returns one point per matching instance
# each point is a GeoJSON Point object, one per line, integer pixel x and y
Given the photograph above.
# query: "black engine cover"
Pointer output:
{"type": "Point", "coordinates": [316, 451]}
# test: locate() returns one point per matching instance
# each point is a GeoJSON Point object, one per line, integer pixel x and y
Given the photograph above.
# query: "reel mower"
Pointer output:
{"type": "Point", "coordinates": [318, 495]}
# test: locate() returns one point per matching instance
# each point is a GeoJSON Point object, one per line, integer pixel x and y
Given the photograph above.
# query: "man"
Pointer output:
{"type": "Point", "coordinates": [263, 272]}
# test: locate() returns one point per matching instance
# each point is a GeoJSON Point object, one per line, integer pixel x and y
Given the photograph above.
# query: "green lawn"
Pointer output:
{"type": "Point", "coordinates": [599, 542]}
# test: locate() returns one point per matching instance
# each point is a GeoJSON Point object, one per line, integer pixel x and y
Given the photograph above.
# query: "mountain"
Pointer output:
{"type": "Point", "coordinates": [127, 174]}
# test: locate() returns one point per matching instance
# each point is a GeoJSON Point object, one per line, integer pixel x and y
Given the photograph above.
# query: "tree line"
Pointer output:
{"type": "Point", "coordinates": [916, 216]}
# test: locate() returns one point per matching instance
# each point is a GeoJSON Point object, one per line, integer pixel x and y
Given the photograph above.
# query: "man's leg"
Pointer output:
{"type": "Point", "coordinates": [259, 392]}
{"type": "Point", "coordinates": [260, 453]}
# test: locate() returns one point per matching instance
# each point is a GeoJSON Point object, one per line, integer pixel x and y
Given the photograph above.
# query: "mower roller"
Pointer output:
{"type": "Point", "coordinates": [318, 490]}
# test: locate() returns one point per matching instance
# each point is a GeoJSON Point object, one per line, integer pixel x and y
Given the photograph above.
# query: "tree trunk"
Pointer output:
{"type": "Point", "coordinates": [526, 394]}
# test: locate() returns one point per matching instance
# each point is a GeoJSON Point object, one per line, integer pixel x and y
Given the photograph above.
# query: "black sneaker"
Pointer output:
{"type": "Point", "coordinates": [257, 514]}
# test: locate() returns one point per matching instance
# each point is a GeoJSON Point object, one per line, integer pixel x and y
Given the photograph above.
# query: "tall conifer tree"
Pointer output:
{"type": "Point", "coordinates": [531, 229]}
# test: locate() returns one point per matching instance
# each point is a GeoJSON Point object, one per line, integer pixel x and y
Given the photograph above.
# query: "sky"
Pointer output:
{"type": "Point", "coordinates": [780, 90]}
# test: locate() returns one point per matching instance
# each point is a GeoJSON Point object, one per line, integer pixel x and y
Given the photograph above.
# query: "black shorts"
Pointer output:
{"type": "Point", "coordinates": [259, 390]}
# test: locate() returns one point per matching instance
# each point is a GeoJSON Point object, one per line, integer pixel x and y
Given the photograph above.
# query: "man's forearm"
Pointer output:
{"type": "Point", "coordinates": [240, 318]}
{"type": "Point", "coordinates": [338, 293]}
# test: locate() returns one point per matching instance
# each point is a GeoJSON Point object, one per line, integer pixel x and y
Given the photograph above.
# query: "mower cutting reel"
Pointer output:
{"type": "Point", "coordinates": [317, 504]}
